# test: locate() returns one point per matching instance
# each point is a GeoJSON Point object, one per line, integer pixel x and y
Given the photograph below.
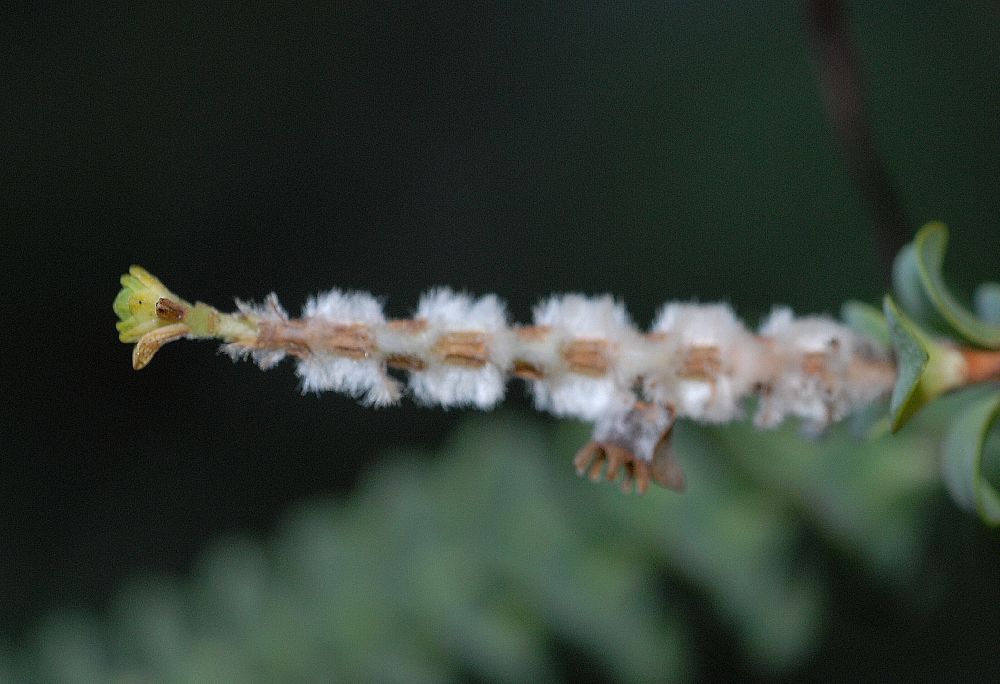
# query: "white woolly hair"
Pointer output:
{"type": "Point", "coordinates": [808, 333]}
{"type": "Point", "coordinates": [576, 316]}
{"type": "Point", "coordinates": [337, 306]}
{"type": "Point", "coordinates": [638, 431]}
{"type": "Point", "coordinates": [448, 311]}
{"type": "Point", "coordinates": [700, 324]}
{"type": "Point", "coordinates": [816, 400]}
{"type": "Point", "coordinates": [705, 325]}
{"type": "Point", "coordinates": [777, 322]}
{"type": "Point", "coordinates": [363, 379]}
{"type": "Point", "coordinates": [269, 310]}
{"type": "Point", "coordinates": [453, 386]}
{"type": "Point", "coordinates": [578, 396]}
{"type": "Point", "coordinates": [775, 360]}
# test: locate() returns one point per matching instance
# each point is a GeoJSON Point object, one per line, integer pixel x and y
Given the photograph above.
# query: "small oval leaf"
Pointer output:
{"type": "Point", "coordinates": [908, 289]}
{"type": "Point", "coordinates": [929, 248]}
{"type": "Point", "coordinates": [866, 320]}
{"type": "Point", "coordinates": [963, 459]}
{"type": "Point", "coordinates": [986, 302]}
{"type": "Point", "coordinates": [925, 369]}
{"type": "Point", "coordinates": [911, 360]}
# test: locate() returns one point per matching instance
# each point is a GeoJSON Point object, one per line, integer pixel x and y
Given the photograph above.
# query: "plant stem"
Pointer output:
{"type": "Point", "coordinates": [981, 365]}
{"type": "Point", "coordinates": [842, 89]}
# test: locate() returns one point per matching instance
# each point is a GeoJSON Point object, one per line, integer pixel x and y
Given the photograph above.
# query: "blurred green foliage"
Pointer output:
{"type": "Point", "coordinates": [489, 559]}
{"type": "Point", "coordinates": [930, 366]}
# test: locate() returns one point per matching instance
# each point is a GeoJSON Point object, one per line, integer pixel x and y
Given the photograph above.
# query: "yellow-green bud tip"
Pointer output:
{"type": "Point", "coordinates": [145, 304]}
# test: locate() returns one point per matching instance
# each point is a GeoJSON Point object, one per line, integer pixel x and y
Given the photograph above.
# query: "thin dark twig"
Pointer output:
{"type": "Point", "coordinates": [843, 95]}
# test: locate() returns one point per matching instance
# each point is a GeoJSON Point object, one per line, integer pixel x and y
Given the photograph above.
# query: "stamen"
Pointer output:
{"type": "Point", "coordinates": [288, 336]}
{"type": "Point", "coordinates": [300, 337]}
{"type": "Point", "coordinates": [587, 453]}
{"type": "Point", "coordinates": [587, 357]}
{"type": "Point", "coordinates": [405, 362]}
{"type": "Point", "coordinates": [150, 343]}
{"type": "Point", "coordinates": [814, 363]}
{"type": "Point", "coordinates": [354, 341]}
{"type": "Point", "coordinates": [169, 310]}
{"type": "Point", "coordinates": [463, 348]}
{"type": "Point", "coordinates": [528, 371]}
{"type": "Point", "coordinates": [701, 363]}
{"type": "Point", "coordinates": [640, 473]}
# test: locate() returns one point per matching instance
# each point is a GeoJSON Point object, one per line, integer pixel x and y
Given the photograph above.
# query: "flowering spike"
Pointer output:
{"type": "Point", "coordinates": [140, 302]}
{"type": "Point", "coordinates": [581, 357]}
{"type": "Point", "coordinates": [151, 316]}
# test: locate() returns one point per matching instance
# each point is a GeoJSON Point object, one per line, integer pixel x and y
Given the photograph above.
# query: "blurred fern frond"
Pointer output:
{"type": "Point", "coordinates": [484, 561]}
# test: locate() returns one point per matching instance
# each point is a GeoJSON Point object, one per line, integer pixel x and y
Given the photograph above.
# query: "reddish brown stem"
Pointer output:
{"type": "Point", "coordinates": [981, 365]}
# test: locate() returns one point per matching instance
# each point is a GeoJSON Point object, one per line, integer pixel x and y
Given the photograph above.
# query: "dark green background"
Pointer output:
{"type": "Point", "coordinates": [658, 151]}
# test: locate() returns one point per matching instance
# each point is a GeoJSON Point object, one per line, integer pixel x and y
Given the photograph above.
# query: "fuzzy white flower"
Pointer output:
{"type": "Point", "coordinates": [480, 320]}
{"type": "Point", "coordinates": [582, 357]}
{"type": "Point", "coordinates": [638, 430]}
{"type": "Point", "coordinates": [575, 318]}
{"type": "Point", "coordinates": [709, 362]}
{"type": "Point", "coordinates": [815, 354]}
{"type": "Point", "coordinates": [363, 378]}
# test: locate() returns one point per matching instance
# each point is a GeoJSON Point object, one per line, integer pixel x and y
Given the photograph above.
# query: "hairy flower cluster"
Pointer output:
{"type": "Point", "coordinates": [581, 357]}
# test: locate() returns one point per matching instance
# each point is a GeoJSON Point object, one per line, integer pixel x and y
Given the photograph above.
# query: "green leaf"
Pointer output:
{"type": "Point", "coordinates": [911, 361]}
{"type": "Point", "coordinates": [928, 249]}
{"type": "Point", "coordinates": [963, 459]}
{"type": "Point", "coordinates": [925, 369]}
{"type": "Point", "coordinates": [866, 320]}
{"type": "Point", "coordinates": [908, 289]}
{"type": "Point", "coordinates": [987, 302]}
